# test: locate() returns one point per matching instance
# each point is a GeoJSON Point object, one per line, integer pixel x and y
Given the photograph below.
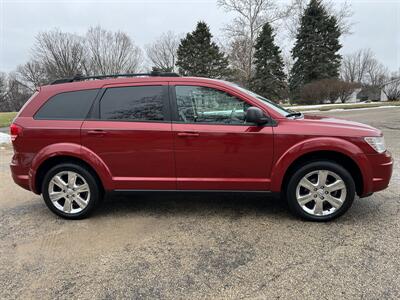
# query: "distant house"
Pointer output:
{"type": "Point", "coordinates": [353, 97]}
{"type": "Point", "coordinates": [363, 94]}
{"type": "Point", "coordinates": [371, 94]}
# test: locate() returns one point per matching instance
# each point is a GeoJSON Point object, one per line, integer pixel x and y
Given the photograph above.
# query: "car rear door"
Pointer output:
{"type": "Point", "coordinates": [130, 130]}
{"type": "Point", "coordinates": [214, 148]}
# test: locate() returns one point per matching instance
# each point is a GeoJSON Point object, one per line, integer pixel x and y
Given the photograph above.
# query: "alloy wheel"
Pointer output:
{"type": "Point", "coordinates": [321, 192]}
{"type": "Point", "coordinates": [69, 192]}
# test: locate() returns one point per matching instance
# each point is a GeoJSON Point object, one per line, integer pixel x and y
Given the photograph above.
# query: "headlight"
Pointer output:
{"type": "Point", "coordinates": [376, 142]}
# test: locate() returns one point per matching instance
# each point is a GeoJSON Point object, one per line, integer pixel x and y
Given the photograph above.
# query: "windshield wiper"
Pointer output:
{"type": "Point", "coordinates": [294, 114]}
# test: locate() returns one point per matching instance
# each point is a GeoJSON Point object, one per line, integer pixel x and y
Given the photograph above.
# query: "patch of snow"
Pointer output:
{"type": "Point", "coordinates": [352, 109]}
{"type": "Point", "coordinates": [379, 107]}
{"type": "Point", "coordinates": [5, 138]}
{"type": "Point", "coordinates": [295, 107]}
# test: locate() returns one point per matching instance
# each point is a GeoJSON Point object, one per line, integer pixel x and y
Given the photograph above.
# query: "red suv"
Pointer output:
{"type": "Point", "coordinates": [78, 138]}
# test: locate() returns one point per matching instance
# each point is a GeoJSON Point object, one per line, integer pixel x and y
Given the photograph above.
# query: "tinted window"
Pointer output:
{"type": "Point", "coordinates": [67, 106]}
{"type": "Point", "coordinates": [134, 103]}
{"type": "Point", "coordinates": [206, 105]}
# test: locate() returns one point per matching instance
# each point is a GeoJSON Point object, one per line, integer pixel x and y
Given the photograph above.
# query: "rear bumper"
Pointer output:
{"type": "Point", "coordinates": [20, 171]}
{"type": "Point", "coordinates": [381, 171]}
{"type": "Point", "coordinates": [19, 176]}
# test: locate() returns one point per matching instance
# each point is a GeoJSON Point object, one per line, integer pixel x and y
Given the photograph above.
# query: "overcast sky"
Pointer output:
{"type": "Point", "coordinates": [376, 23]}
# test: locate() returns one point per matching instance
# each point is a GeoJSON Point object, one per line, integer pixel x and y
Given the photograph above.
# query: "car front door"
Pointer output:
{"type": "Point", "coordinates": [214, 147]}
{"type": "Point", "coordinates": [130, 130]}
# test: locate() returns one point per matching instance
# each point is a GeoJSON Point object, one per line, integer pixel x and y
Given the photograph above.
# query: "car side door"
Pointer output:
{"type": "Point", "coordinates": [129, 129]}
{"type": "Point", "coordinates": [215, 149]}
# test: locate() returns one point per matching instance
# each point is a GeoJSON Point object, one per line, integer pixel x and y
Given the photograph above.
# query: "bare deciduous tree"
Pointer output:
{"type": "Point", "coordinates": [3, 91]}
{"type": "Point", "coordinates": [238, 55]}
{"type": "Point", "coordinates": [13, 93]}
{"type": "Point", "coordinates": [111, 53]}
{"type": "Point", "coordinates": [33, 73]}
{"type": "Point", "coordinates": [362, 67]}
{"type": "Point", "coordinates": [162, 52]}
{"type": "Point", "coordinates": [251, 15]}
{"type": "Point", "coordinates": [354, 66]}
{"type": "Point", "coordinates": [60, 54]}
{"type": "Point", "coordinates": [18, 93]}
{"type": "Point", "coordinates": [376, 73]}
{"type": "Point", "coordinates": [288, 62]}
{"type": "Point", "coordinates": [392, 87]}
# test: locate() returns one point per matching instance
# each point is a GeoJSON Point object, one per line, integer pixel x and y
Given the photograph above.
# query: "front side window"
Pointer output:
{"type": "Point", "coordinates": [198, 104]}
{"type": "Point", "coordinates": [67, 106]}
{"type": "Point", "coordinates": [133, 103]}
{"type": "Point", "coordinates": [279, 109]}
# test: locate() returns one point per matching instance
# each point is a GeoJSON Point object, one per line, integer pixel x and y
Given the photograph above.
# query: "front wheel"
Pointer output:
{"type": "Point", "coordinates": [70, 191]}
{"type": "Point", "coordinates": [320, 191]}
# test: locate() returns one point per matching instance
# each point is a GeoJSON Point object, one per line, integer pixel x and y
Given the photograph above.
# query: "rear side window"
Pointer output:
{"type": "Point", "coordinates": [67, 106]}
{"type": "Point", "coordinates": [133, 103]}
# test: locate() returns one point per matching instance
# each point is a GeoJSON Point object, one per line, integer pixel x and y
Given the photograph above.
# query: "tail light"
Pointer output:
{"type": "Point", "coordinates": [15, 131]}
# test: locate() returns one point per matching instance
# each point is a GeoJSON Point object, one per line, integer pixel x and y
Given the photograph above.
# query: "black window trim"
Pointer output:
{"type": "Point", "coordinates": [175, 115]}
{"type": "Point", "coordinates": [65, 92]}
{"type": "Point", "coordinates": [94, 114]}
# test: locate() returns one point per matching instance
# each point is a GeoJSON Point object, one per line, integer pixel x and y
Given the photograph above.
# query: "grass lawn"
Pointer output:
{"type": "Point", "coordinates": [6, 118]}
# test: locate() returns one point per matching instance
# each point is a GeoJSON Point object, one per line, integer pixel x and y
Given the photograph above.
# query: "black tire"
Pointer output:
{"type": "Point", "coordinates": [94, 188]}
{"type": "Point", "coordinates": [295, 178]}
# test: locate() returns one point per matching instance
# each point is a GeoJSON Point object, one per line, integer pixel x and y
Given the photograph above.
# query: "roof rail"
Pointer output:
{"type": "Point", "coordinates": [79, 77]}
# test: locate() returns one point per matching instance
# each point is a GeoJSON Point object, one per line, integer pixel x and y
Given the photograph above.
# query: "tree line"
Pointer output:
{"type": "Point", "coordinates": [250, 55]}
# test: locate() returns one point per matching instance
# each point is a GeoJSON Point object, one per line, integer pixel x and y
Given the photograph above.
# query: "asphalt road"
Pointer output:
{"type": "Point", "coordinates": [203, 246]}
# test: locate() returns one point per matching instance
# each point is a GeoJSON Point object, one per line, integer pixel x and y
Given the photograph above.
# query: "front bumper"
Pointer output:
{"type": "Point", "coordinates": [381, 171]}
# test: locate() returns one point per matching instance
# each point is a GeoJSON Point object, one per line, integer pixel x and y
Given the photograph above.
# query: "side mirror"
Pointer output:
{"type": "Point", "coordinates": [256, 115]}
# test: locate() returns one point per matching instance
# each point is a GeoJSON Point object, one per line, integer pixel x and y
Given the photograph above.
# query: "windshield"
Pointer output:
{"type": "Point", "coordinates": [268, 102]}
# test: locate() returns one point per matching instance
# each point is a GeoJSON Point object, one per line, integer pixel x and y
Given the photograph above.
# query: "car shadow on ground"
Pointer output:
{"type": "Point", "coordinates": [194, 204]}
{"type": "Point", "coordinates": [225, 205]}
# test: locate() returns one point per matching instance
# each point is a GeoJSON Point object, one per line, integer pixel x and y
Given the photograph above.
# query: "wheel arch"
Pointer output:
{"type": "Point", "coordinates": [59, 159]}
{"type": "Point", "coordinates": [337, 157]}
{"type": "Point", "coordinates": [65, 152]}
{"type": "Point", "coordinates": [333, 149]}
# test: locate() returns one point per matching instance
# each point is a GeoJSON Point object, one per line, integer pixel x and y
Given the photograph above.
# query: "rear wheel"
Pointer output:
{"type": "Point", "coordinates": [320, 191]}
{"type": "Point", "coordinates": [70, 191]}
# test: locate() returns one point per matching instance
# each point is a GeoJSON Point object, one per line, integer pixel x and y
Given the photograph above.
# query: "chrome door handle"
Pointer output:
{"type": "Point", "coordinates": [98, 132]}
{"type": "Point", "coordinates": [188, 134]}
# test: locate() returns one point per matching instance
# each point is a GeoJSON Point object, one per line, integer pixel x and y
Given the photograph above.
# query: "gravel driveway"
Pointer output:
{"type": "Point", "coordinates": [203, 246]}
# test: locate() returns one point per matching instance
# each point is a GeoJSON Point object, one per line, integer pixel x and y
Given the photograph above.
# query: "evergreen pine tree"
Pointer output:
{"type": "Point", "coordinates": [199, 56]}
{"type": "Point", "coordinates": [269, 78]}
{"type": "Point", "coordinates": [316, 48]}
